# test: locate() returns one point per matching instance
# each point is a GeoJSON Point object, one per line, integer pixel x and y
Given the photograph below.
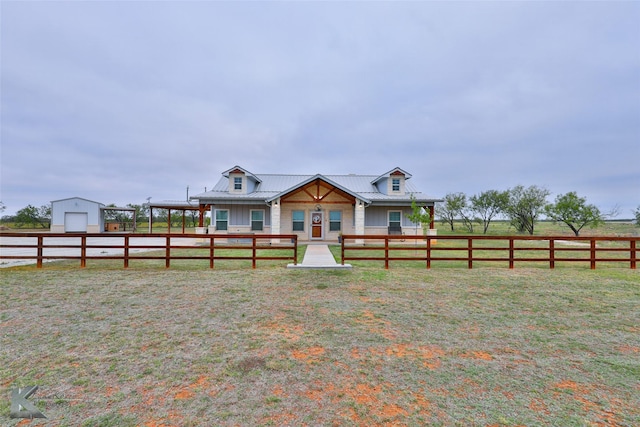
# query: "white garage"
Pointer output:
{"type": "Point", "coordinates": [77, 215]}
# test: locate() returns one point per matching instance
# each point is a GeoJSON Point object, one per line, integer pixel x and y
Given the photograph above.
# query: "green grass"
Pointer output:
{"type": "Point", "coordinates": [545, 228]}
{"type": "Point", "coordinates": [407, 346]}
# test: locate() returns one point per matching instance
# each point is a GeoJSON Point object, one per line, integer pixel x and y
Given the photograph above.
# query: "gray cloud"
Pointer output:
{"type": "Point", "coordinates": [118, 101]}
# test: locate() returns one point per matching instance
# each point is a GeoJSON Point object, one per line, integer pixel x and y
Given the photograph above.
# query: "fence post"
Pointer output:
{"type": "Point", "coordinates": [632, 254]}
{"type": "Point", "coordinates": [386, 252]}
{"type": "Point", "coordinates": [295, 251]}
{"type": "Point", "coordinates": [126, 251]}
{"type": "Point", "coordinates": [40, 251]}
{"type": "Point", "coordinates": [552, 254]}
{"type": "Point", "coordinates": [593, 253]}
{"type": "Point", "coordinates": [253, 252]}
{"type": "Point", "coordinates": [211, 252]}
{"type": "Point", "coordinates": [470, 250]}
{"type": "Point", "coordinates": [167, 254]}
{"type": "Point", "coordinates": [428, 252]}
{"type": "Point", "coordinates": [511, 253]}
{"type": "Point", "coordinates": [83, 251]}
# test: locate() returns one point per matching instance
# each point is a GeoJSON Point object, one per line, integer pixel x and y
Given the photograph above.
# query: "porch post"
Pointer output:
{"type": "Point", "coordinates": [275, 219]}
{"type": "Point", "coordinates": [201, 210]}
{"type": "Point", "coordinates": [359, 219]}
{"type": "Point", "coordinates": [212, 224]}
{"type": "Point", "coordinates": [432, 216]}
{"type": "Point", "coordinates": [432, 230]}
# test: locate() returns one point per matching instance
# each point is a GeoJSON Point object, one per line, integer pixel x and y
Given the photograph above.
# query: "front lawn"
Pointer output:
{"type": "Point", "coordinates": [272, 346]}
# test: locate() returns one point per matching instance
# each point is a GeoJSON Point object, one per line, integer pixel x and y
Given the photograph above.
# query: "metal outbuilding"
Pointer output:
{"type": "Point", "coordinates": [78, 215]}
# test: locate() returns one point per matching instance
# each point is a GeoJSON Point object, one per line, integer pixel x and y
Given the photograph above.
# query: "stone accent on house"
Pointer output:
{"type": "Point", "coordinates": [359, 218]}
{"type": "Point", "coordinates": [275, 219]}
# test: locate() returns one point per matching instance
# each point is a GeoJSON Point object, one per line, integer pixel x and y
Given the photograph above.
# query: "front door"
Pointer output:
{"type": "Point", "coordinates": [316, 225]}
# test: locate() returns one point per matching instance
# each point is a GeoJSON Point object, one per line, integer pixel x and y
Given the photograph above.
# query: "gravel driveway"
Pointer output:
{"type": "Point", "coordinates": [104, 242]}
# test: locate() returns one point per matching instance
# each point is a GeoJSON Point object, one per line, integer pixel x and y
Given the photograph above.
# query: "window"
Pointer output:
{"type": "Point", "coordinates": [237, 183]}
{"type": "Point", "coordinates": [257, 220]}
{"type": "Point", "coordinates": [395, 218]}
{"type": "Point", "coordinates": [298, 220]}
{"type": "Point", "coordinates": [395, 184]}
{"type": "Point", "coordinates": [335, 220]}
{"type": "Point", "coordinates": [222, 220]}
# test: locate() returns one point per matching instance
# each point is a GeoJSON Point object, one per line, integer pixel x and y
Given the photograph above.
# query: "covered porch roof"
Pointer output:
{"type": "Point", "coordinates": [314, 181]}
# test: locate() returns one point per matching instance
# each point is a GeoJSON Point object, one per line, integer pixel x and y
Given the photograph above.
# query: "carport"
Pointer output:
{"type": "Point", "coordinates": [178, 206]}
{"type": "Point", "coordinates": [108, 226]}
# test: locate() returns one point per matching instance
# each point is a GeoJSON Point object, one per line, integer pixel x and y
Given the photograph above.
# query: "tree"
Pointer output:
{"type": "Point", "coordinates": [419, 215]}
{"type": "Point", "coordinates": [488, 204]}
{"type": "Point", "coordinates": [574, 212]}
{"type": "Point", "coordinates": [525, 205]}
{"type": "Point", "coordinates": [454, 204]}
{"type": "Point", "coordinates": [32, 216]}
{"type": "Point", "coordinates": [116, 215]}
{"type": "Point", "coordinates": [637, 214]}
{"type": "Point", "coordinates": [468, 218]}
{"type": "Point", "coordinates": [142, 211]}
{"type": "Point", "coordinates": [5, 218]}
{"type": "Point", "coordinates": [161, 215]}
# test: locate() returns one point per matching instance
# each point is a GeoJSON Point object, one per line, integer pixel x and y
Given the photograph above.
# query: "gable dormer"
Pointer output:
{"type": "Point", "coordinates": [241, 181]}
{"type": "Point", "coordinates": [396, 183]}
{"type": "Point", "coordinates": [392, 183]}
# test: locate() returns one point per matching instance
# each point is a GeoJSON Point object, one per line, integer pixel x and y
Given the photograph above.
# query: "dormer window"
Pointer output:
{"type": "Point", "coordinates": [241, 181]}
{"type": "Point", "coordinates": [237, 183]}
{"type": "Point", "coordinates": [395, 184]}
{"type": "Point", "coordinates": [392, 182]}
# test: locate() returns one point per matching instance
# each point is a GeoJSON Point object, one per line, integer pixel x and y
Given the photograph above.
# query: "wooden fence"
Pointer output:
{"type": "Point", "coordinates": [127, 247]}
{"type": "Point", "coordinates": [501, 249]}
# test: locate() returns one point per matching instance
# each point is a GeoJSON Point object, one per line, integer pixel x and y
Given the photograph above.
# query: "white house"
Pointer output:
{"type": "Point", "coordinates": [315, 207]}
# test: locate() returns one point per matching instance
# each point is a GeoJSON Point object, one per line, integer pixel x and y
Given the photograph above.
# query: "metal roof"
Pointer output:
{"type": "Point", "coordinates": [313, 178]}
{"type": "Point", "coordinates": [272, 186]}
{"type": "Point", "coordinates": [388, 174]}
{"type": "Point", "coordinates": [77, 198]}
{"type": "Point", "coordinates": [177, 204]}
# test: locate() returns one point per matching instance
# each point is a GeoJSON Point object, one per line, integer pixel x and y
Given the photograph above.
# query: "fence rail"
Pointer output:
{"type": "Point", "coordinates": [127, 247]}
{"type": "Point", "coordinates": [514, 249]}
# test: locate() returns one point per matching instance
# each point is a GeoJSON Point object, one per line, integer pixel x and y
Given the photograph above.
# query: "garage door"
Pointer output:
{"type": "Point", "coordinates": [75, 222]}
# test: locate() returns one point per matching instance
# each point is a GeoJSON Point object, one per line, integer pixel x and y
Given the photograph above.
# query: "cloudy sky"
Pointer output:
{"type": "Point", "coordinates": [117, 101]}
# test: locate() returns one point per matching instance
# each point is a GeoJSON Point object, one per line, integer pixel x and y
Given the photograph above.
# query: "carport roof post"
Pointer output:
{"type": "Point", "coordinates": [175, 205]}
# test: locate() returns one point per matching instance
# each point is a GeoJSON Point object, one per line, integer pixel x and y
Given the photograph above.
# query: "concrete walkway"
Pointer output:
{"type": "Point", "coordinates": [318, 257]}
